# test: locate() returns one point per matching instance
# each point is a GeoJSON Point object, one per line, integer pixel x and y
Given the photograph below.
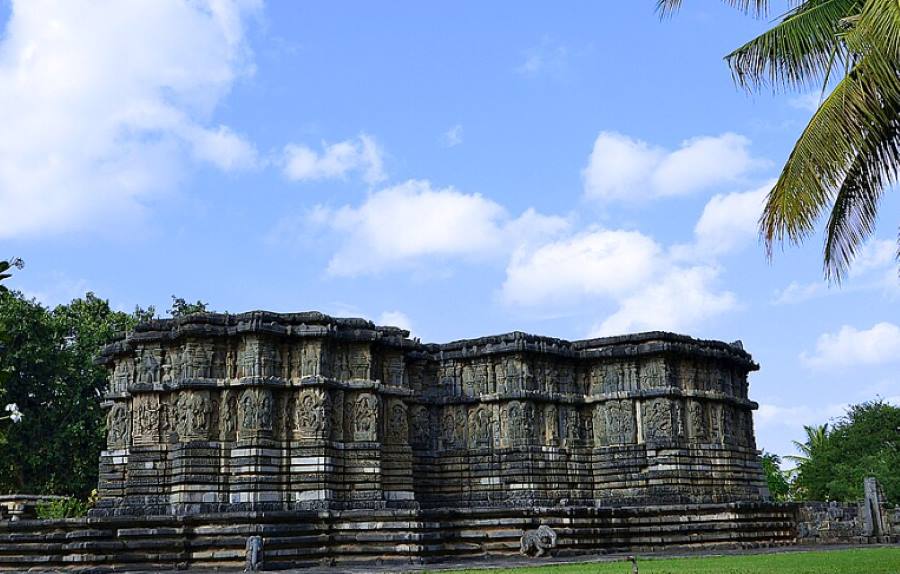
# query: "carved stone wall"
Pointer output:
{"type": "Point", "coordinates": [264, 411]}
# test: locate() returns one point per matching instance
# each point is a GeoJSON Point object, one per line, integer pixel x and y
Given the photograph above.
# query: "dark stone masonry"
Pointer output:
{"type": "Point", "coordinates": [335, 440]}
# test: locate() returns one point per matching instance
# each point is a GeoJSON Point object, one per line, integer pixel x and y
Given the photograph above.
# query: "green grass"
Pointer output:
{"type": "Point", "coordinates": [855, 561]}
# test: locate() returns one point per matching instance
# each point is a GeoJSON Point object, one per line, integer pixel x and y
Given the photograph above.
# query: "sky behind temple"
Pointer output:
{"type": "Point", "coordinates": [459, 169]}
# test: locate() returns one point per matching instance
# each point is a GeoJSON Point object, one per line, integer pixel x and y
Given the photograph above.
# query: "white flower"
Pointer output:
{"type": "Point", "coordinates": [14, 413]}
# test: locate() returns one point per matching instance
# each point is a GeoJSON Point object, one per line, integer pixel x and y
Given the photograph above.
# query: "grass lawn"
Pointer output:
{"type": "Point", "coordinates": [855, 561]}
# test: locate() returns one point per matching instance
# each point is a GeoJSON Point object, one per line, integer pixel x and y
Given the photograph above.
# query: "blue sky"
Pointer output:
{"type": "Point", "coordinates": [459, 169]}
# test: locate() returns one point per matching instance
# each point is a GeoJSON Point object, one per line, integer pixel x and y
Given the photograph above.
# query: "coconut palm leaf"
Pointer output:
{"type": "Point", "coordinates": [757, 7]}
{"type": "Point", "coordinates": [799, 51]}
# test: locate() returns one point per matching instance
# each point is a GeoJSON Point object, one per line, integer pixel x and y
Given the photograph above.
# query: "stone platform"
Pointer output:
{"type": "Point", "coordinates": [389, 537]}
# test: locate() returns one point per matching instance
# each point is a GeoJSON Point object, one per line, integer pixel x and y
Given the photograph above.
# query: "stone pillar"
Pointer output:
{"type": "Point", "coordinates": [873, 520]}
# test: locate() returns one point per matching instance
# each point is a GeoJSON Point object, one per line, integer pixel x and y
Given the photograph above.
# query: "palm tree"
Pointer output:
{"type": "Point", "coordinates": [849, 152]}
{"type": "Point", "coordinates": [815, 439]}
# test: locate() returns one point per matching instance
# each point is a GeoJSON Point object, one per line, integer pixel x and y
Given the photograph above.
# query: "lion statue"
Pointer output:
{"type": "Point", "coordinates": [538, 542]}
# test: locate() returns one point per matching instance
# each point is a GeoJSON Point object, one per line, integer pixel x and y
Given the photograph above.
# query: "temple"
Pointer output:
{"type": "Point", "coordinates": [219, 413]}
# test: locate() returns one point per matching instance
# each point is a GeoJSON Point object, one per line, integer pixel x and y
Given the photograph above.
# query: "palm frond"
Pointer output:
{"type": "Point", "coordinates": [846, 126]}
{"type": "Point", "coordinates": [755, 7]}
{"type": "Point", "coordinates": [799, 51]}
{"type": "Point", "coordinates": [879, 26]}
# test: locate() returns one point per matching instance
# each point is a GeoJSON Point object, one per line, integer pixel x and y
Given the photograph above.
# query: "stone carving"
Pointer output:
{"type": "Point", "coordinates": [517, 420]}
{"type": "Point", "coordinates": [658, 419]}
{"type": "Point", "coordinates": [619, 427]}
{"type": "Point", "coordinates": [397, 423]}
{"type": "Point", "coordinates": [337, 415]}
{"type": "Point", "coordinates": [192, 415]}
{"type": "Point", "coordinates": [421, 427]}
{"type": "Point", "coordinates": [254, 554]}
{"type": "Point", "coordinates": [117, 425]}
{"type": "Point", "coordinates": [480, 428]}
{"type": "Point", "coordinates": [360, 362]}
{"type": "Point", "coordinates": [653, 374]}
{"type": "Point", "coordinates": [311, 413]}
{"type": "Point", "coordinates": [257, 358]}
{"type": "Point", "coordinates": [255, 410]}
{"type": "Point", "coordinates": [229, 415]}
{"type": "Point", "coordinates": [551, 425]}
{"type": "Point", "coordinates": [699, 422]}
{"type": "Point", "coordinates": [365, 415]}
{"type": "Point", "coordinates": [148, 415]}
{"type": "Point", "coordinates": [121, 377]}
{"type": "Point", "coordinates": [196, 361]}
{"type": "Point", "coordinates": [539, 542]}
{"type": "Point", "coordinates": [148, 367]}
{"type": "Point", "coordinates": [453, 427]}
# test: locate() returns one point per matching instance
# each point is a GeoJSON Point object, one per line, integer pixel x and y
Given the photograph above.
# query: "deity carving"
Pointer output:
{"type": "Point", "coordinates": [551, 424]}
{"type": "Point", "coordinates": [337, 415]}
{"type": "Point", "coordinates": [196, 361]}
{"type": "Point", "coordinates": [311, 413]}
{"type": "Point", "coordinates": [601, 434]}
{"type": "Point", "coordinates": [117, 424]}
{"type": "Point", "coordinates": [453, 427]}
{"type": "Point", "coordinates": [148, 367]}
{"type": "Point", "coordinates": [393, 370]}
{"type": "Point", "coordinates": [480, 427]}
{"type": "Point", "coordinates": [365, 418]}
{"type": "Point", "coordinates": [658, 419]}
{"type": "Point", "coordinates": [517, 419]}
{"type": "Point", "coordinates": [728, 425]}
{"type": "Point", "coordinates": [715, 422]}
{"type": "Point", "coordinates": [257, 358]}
{"type": "Point", "coordinates": [572, 426]}
{"type": "Point", "coordinates": [397, 423]}
{"type": "Point", "coordinates": [147, 418]}
{"type": "Point", "coordinates": [421, 426]}
{"type": "Point", "coordinates": [229, 414]}
{"type": "Point", "coordinates": [192, 415]}
{"type": "Point", "coordinates": [255, 410]}
{"type": "Point", "coordinates": [121, 377]}
{"type": "Point", "coordinates": [620, 424]}
{"type": "Point", "coordinates": [699, 423]}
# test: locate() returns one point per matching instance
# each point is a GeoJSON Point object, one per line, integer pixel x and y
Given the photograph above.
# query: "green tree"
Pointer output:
{"type": "Point", "coordinates": [6, 266]}
{"type": "Point", "coordinates": [180, 307]}
{"type": "Point", "coordinates": [865, 442]}
{"type": "Point", "coordinates": [776, 478]}
{"type": "Point", "coordinates": [849, 152]}
{"type": "Point", "coordinates": [815, 439]}
{"type": "Point", "coordinates": [48, 358]}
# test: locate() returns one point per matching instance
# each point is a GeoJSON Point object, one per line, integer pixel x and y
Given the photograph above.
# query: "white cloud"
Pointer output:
{"type": "Point", "coordinates": [100, 100]}
{"type": "Point", "coordinates": [395, 319]}
{"type": "Point", "coordinates": [623, 168]}
{"type": "Point", "coordinates": [454, 136]}
{"type": "Point", "coordinates": [873, 269]}
{"type": "Point", "coordinates": [335, 161]}
{"type": "Point", "coordinates": [808, 102]}
{"type": "Point", "coordinates": [597, 263]}
{"type": "Point", "coordinates": [730, 220]}
{"type": "Point", "coordinates": [548, 57]}
{"type": "Point", "coordinates": [850, 347]}
{"type": "Point", "coordinates": [678, 301]}
{"type": "Point", "coordinates": [652, 291]}
{"type": "Point", "coordinates": [412, 222]}
{"type": "Point", "coordinates": [798, 292]}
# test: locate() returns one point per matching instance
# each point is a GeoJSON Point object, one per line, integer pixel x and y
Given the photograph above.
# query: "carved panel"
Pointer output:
{"type": "Point", "coordinates": [421, 427]}
{"type": "Point", "coordinates": [397, 422]}
{"type": "Point", "coordinates": [453, 427]}
{"type": "Point", "coordinates": [551, 425]}
{"type": "Point", "coordinates": [311, 413]}
{"type": "Point", "coordinates": [228, 415]}
{"type": "Point", "coordinates": [337, 415]}
{"type": "Point", "coordinates": [654, 374]}
{"type": "Point", "coordinates": [117, 424]}
{"type": "Point", "coordinates": [148, 366]}
{"type": "Point", "coordinates": [698, 421]}
{"type": "Point", "coordinates": [658, 423]}
{"type": "Point", "coordinates": [256, 410]}
{"type": "Point", "coordinates": [192, 415]}
{"type": "Point", "coordinates": [365, 417]}
{"type": "Point", "coordinates": [148, 418]}
{"type": "Point", "coordinates": [481, 427]}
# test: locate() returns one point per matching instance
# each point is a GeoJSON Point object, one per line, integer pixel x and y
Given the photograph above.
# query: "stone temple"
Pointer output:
{"type": "Point", "coordinates": [336, 439]}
